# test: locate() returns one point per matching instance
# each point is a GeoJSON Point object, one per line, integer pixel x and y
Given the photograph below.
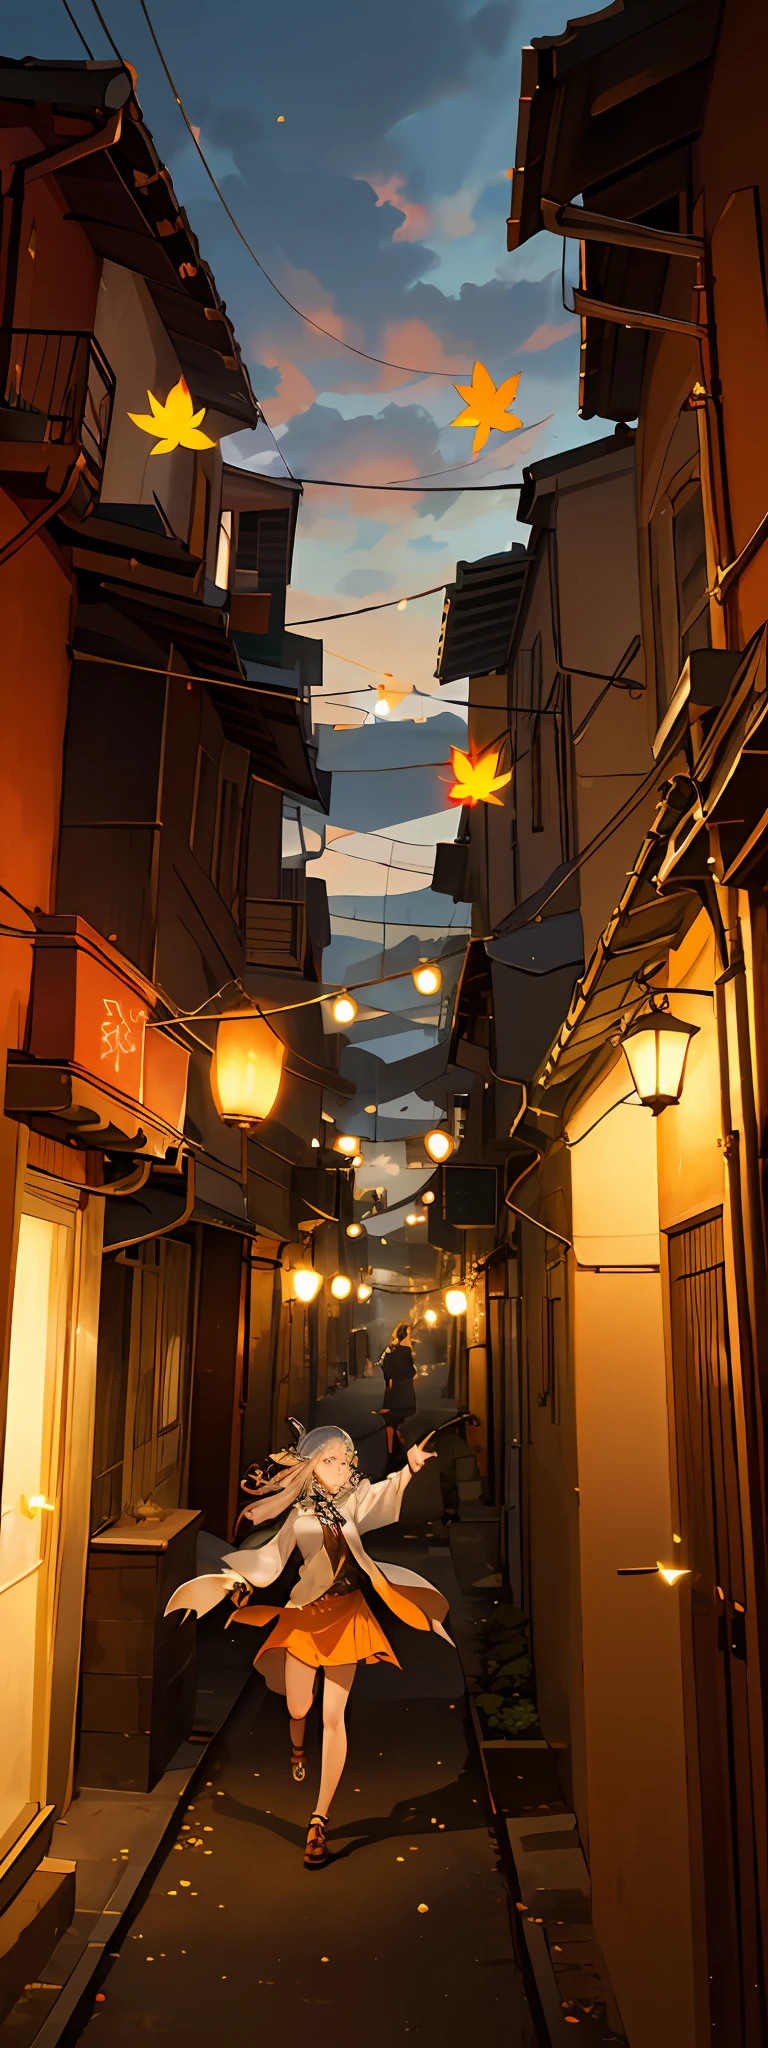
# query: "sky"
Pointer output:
{"type": "Point", "coordinates": [365, 152]}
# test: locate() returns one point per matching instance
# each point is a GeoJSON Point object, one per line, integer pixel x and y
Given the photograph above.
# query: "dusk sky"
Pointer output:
{"type": "Point", "coordinates": [378, 204]}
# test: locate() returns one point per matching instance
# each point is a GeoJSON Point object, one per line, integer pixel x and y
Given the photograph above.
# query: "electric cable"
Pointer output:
{"type": "Point", "coordinates": [78, 31]}
{"type": "Point", "coordinates": [408, 369]}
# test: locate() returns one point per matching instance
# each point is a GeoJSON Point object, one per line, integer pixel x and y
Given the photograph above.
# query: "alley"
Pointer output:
{"type": "Point", "coordinates": [234, 1932]}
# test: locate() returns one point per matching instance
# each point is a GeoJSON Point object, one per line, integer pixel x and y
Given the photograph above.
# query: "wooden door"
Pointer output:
{"type": "Point", "coordinates": [713, 1548]}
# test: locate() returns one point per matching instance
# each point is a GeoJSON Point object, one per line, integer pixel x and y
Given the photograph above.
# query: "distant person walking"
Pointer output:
{"type": "Point", "coordinates": [397, 1365]}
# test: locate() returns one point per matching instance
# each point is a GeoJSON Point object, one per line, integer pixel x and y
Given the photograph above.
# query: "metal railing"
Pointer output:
{"type": "Point", "coordinates": [57, 391]}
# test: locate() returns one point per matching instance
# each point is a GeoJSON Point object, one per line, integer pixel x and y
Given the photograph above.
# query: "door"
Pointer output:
{"type": "Point", "coordinates": [710, 1507]}
{"type": "Point", "coordinates": [30, 1508]}
{"type": "Point", "coordinates": [157, 1372]}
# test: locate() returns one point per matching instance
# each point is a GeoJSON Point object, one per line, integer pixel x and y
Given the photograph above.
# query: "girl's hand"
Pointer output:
{"type": "Point", "coordinates": [417, 1456]}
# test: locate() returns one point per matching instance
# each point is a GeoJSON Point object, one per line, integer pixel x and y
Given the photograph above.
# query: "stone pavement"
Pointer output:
{"type": "Point", "coordinates": [234, 1934]}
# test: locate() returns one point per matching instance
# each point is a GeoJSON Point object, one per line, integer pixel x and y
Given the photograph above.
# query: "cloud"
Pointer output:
{"type": "Point", "coordinates": [294, 393]}
{"type": "Point", "coordinates": [362, 582]}
{"type": "Point", "coordinates": [416, 218]}
{"type": "Point", "coordinates": [545, 336]}
{"type": "Point", "coordinates": [427, 546]}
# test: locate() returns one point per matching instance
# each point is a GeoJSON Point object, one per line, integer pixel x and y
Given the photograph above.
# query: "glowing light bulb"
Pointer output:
{"type": "Point", "coordinates": [364, 1291]}
{"type": "Point", "coordinates": [438, 1144]}
{"type": "Point", "coordinates": [412, 1218]}
{"type": "Point", "coordinates": [429, 1196]}
{"type": "Point", "coordinates": [354, 1230]}
{"type": "Point", "coordinates": [306, 1283]}
{"type": "Point", "coordinates": [344, 1010]}
{"type": "Point", "coordinates": [370, 1109]}
{"type": "Point", "coordinates": [671, 1573]}
{"type": "Point", "coordinates": [357, 1160]}
{"type": "Point", "coordinates": [382, 705]}
{"type": "Point", "coordinates": [341, 1287]}
{"type": "Point", "coordinates": [346, 1145]}
{"type": "Point", "coordinates": [427, 978]}
{"type": "Point", "coordinates": [455, 1301]}
{"type": "Point", "coordinates": [430, 1316]}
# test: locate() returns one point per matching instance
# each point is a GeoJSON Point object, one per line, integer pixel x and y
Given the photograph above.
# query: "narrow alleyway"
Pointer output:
{"type": "Point", "coordinates": [235, 1933]}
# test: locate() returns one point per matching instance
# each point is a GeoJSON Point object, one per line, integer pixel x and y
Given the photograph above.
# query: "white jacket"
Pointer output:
{"type": "Point", "coordinates": [370, 1505]}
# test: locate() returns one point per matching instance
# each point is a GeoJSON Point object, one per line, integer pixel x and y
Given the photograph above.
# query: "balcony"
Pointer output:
{"type": "Point", "coordinates": [57, 396]}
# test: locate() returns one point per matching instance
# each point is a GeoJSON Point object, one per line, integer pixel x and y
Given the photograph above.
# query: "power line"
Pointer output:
{"type": "Point", "coordinates": [408, 369]}
{"type": "Point", "coordinates": [386, 605]}
{"type": "Point", "coordinates": [78, 31]}
{"type": "Point", "coordinates": [340, 483]}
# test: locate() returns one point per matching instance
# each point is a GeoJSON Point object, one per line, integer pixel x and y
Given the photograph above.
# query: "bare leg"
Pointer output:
{"type": "Point", "coordinates": [338, 1684]}
{"type": "Point", "coordinates": [299, 1689]}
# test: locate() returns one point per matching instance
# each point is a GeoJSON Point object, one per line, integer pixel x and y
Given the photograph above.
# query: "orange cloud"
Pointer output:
{"type": "Point", "coordinates": [413, 342]}
{"type": "Point", "coordinates": [417, 218]}
{"type": "Point", "coordinates": [294, 393]}
{"type": "Point", "coordinates": [545, 336]}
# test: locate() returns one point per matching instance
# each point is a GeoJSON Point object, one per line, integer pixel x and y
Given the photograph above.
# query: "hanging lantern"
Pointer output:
{"type": "Point", "coordinates": [438, 1145]}
{"type": "Point", "coordinates": [455, 1301]}
{"type": "Point", "coordinates": [346, 1145]}
{"type": "Point", "coordinates": [354, 1230]}
{"type": "Point", "coordinates": [427, 978]}
{"type": "Point", "coordinates": [656, 1049]}
{"type": "Point", "coordinates": [341, 1287]}
{"type": "Point", "coordinates": [306, 1283]}
{"type": "Point", "coordinates": [246, 1069]}
{"type": "Point", "coordinates": [364, 1290]}
{"type": "Point", "coordinates": [344, 1010]}
{"type": "Point", "coordinates": [430, 1316]}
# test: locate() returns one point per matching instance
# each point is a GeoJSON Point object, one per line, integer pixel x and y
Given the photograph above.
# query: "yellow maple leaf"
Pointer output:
{"type": "Point", "coordinates": [487, 405]}
{"type": "Point", "coordinates": [175, 422]}
{"type": "Point", "coordinates": [477, 779]}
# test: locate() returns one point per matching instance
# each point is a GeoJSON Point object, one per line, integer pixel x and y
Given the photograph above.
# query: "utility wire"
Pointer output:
{"type": "Point", "coordinates": [408, 369]}
{"type": "Point", "coordinates": [78, 31]}
{"type": "Point", "coordinates": [386, 605]}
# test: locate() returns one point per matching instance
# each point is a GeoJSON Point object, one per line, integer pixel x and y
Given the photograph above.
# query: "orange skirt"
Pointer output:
{"type": "Point", "coordinates": [338, 1629]}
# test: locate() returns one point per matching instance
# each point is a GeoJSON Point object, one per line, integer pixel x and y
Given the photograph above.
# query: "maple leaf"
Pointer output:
{"type": "Point", "coordinates": [477, 780]}
{"type": "Point", "coordinates": [487, 406]}
{"type": "Point", "coordinates": [175, 422]}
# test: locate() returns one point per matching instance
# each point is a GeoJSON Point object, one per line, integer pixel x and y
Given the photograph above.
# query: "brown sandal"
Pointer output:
{"type": "Point", "coordinates": [298, 1765]}
{"type": "Point", "coordinates": [316, 1851]}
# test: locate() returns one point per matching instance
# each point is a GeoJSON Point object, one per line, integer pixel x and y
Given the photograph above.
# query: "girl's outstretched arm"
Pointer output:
{"type": "Point", "coordinates": [380, 1501]}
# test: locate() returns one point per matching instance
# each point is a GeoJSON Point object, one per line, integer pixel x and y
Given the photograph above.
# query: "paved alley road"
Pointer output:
{"type": "Point", "coordinates": [235, 1937]}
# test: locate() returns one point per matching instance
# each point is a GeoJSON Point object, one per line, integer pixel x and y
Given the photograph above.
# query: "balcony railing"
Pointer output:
{"type": "Point", "coordinates": [57, 393]}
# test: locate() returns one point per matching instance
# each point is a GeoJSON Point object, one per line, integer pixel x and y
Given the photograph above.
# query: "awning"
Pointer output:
{"type": "Point", "coordinates": [608, 112]}
{"type": "Point", "coordinates": [479, 615]}
{"type": "Point", "coordinates": [634, 945]}
{"type": "Point", "coordinates": [124, 200]}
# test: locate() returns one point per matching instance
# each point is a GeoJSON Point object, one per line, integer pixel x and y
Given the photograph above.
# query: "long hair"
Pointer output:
{"type": "Point", "coordinates": [274, 1496]}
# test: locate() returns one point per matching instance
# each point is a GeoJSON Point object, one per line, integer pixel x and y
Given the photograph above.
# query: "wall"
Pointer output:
{"type": "Point", "coordinates": [633, 1698]}
{"type": "Point", "coordinates": [131, 333]}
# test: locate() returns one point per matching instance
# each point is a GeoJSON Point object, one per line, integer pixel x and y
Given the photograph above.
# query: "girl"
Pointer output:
{"type": "Point", "coordinates": [322, 1503]}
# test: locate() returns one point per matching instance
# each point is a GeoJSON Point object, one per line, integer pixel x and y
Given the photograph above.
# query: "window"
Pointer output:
{"type": "Point", "coordinates": [223, 551]}
{"type": "Point", "coordinates": [678, 553]}
{"type": "Point", "coordinates": [141, 1378]}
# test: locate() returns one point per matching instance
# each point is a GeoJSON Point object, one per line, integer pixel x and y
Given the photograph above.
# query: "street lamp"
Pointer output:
{"type": "Point", "coordinates": [438, 1145]}
{"type": "Point", "coordinates": [656, 1049]}
{"type": "Point", "coordinates": [246, 1069]}
{"type": "Point", "coordinates": [341, 1287]}
{"type": "Point", "coordinates": [455, 1301]}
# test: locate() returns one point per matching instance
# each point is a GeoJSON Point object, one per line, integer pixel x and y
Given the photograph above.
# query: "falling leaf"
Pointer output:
{"type": "Point", "coordinates": [422, 1909]}
{"type": "Point", "coordinates": [477, 778]}
{"type": "Point", "coordinates": [176, 423]}
{"type": "Point", "coordinates": [487, 406]}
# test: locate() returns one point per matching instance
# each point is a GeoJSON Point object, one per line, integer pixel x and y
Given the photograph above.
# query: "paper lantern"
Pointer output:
{"type": "Point", "coordinates": [340, 1287]}
{"type": "Point", "coordinates": [306, 1283]}
{"type": "Point", "coordinates": [438, 1145]}
{"type": "Point", "coordinates": [455, 1301]}
{"type": "Point", "coordinates": [656, 1050]}
{"type": "Point", "coordinates": [246, 1069]}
